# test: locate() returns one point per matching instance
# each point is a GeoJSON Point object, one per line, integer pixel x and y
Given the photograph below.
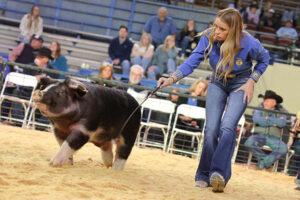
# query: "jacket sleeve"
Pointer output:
{"type": "Point", "coordinates": [111, 50]}
{"type": "Point", "coordinates": [259, 119]}
{"type": "Point", "coordinates": [278, 121]}
{"type": "Point", "coordinates": [261, 55]}
{"type": "Point", "coordinates": [194, 60]}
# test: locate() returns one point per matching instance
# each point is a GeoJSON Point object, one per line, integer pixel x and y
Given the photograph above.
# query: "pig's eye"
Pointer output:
{"type": "Point", "coordinates": [42, 87]}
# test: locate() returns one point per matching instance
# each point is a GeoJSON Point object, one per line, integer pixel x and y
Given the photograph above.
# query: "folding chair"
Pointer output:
{"type": "Point", "coordinates": [161, 106]}
{"type": "Point", "coordinates": [193, 112]}
{"type": "Point", "coordinates": [19, 80]}
{"type": "Point", "coordinates": [241, 123]}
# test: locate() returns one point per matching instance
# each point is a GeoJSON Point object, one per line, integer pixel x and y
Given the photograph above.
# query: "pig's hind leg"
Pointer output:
{"type": "Point", "coordinates": [106, 153]}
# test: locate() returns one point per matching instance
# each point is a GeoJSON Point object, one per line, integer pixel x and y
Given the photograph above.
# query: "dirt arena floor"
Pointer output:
{"type": "Point", "coordinates": [149, 174]}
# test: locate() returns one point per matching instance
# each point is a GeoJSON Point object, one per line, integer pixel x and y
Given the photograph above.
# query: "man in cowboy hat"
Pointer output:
{"type": "Point", "coordinates": [41, 61]}
{"type": "Point", "coordinates": [267, 131]}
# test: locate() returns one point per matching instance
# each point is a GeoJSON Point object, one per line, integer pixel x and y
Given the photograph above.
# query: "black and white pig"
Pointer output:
{"type": "Point", "coordinates": [85, 112]}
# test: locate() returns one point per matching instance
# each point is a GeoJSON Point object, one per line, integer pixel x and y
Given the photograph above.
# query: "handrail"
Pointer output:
{"type": "Point", "coordinates": [116, 83]}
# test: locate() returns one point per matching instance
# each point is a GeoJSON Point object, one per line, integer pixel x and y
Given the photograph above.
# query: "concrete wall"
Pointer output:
{"type": "Point", "coordinates": [285, 81]}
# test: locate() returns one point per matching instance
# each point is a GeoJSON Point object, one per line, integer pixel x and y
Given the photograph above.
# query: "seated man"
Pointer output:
{"type": "Point", "coordinates": [267, 131]}
{"type": "Point", "coordinates": [41, 62]}
{"type": "Point", "coordinates": [120, 49]}
{"type": "Point", "coordinates": [287, 31]}
{"type": "Point", "coordinates": [135, 77]}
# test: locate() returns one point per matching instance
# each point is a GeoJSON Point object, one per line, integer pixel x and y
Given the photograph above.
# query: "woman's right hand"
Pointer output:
{"type": "Point", "coordinates": [164, 82]}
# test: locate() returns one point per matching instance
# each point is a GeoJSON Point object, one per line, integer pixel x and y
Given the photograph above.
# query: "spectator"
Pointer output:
{"type": "Point", "coordinates": [198, 88]}
{"type": "Point", "coordinates": [187, 39]}
{"type": "Point", "coordinates": [252, 17]}
{"type": "Point", "coordinates": [238, 4]}
{"type": "Point", "coordinates": [31, 24]}
{"type": "Point", "coordinates": [267, 131]}
{"type": "Point", "coordinates": [266, 9]}
{"type": "Point", "coordinates": [287, 31]}
{"type": "Point", "coordinates": [160, 27]}
{"type": "Point", "coordinates": [269, 20]}
{"type": "Point", "coordinates": [287, 15]}
{"type": "Point", "coordinates": [106, 72]}
{"type": "Point", "coordinates": [59, 62]}
{"type": "Point", "coordinates": [120, 49]}
{"type": "Point", "coordinates": [164, 59]}
{"type": "Point", "coordinates": [255, 3]}
{"type": "Point", "coordinates": [142, 51]}
{"type": "Point", "coordinates": [294, 143]}
{"type": "Point", "coordinates": [135, 77]}
{"type": "Point", "coordinates": [41, 62]}
{"type": "Point", "coordinates": [24, 53]}
{"type": "Point", "coordinates": [296, 131]}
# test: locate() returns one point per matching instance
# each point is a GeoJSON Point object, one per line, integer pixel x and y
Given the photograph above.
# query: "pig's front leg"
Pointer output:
{"type": "Point", "coordinates": [60, 138]}
{"type": "Point", "coordinates": [73, 142]}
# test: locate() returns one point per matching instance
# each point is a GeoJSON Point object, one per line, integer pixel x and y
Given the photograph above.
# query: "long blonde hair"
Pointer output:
{"type": "Point", "coordinates": [30, 20]}
{"type": "Point", "coordinates": [102, 67]}
{"type": "Point", "coordinates": [165, 47]}
{"type": "Point", "coordinates": [231, 45]}
{"type": "Point", "coordinates": [196, 83]}
{"type": "Point", "coordinates": [142, 38]}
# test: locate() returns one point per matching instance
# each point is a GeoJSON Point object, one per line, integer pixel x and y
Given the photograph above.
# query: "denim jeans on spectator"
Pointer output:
{"type": "Point", "coordinates": [171, 67]}
{"type": "Point", "coordinates": [220, 134]}
{"type": "Point", "coordinates": [23, 39]}
{"type": "Point", "coordinates": [142, 61]}
{"type": "Point", "coordinates": [295, 160]}
{"type": "Point", "coordinates": [125, 64]}
{"type": "Point", "coordinates": [265, 160]}
{"type": "Point", "coordinates": [184, 44]}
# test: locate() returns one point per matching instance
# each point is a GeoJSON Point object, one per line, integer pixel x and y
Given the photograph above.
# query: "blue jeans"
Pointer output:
{"type": "Point", "coordinates": [171, 67]}
{"type": "Point", "coordinates": [184, 44]}
{"type": "Point", "coordinates": [220, 134]}
{"type": "Point", "coordinates": [278, 147]}
{"type": "Point", "coordinates": [125, 64]}
{"type": "Point", "coordinates": [295, 161]}
{"type": "Point", "coordinates": [142, 61]}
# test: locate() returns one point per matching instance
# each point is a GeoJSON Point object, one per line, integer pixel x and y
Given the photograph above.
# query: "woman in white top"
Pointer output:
{"type": "Point", "coordinates": [142, 51]}
{"type": "Point", "coordinates": [31, 24]}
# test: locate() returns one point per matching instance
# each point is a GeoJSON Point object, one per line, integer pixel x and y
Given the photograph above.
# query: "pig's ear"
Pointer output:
{"type": "Point", "coordinates": [77, 86]}
{"type": "Point", "coordinates": [44, 82]}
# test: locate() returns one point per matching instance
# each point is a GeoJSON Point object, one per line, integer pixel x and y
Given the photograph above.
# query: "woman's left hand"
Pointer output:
{"type": "Point", "coordinates": [248, 90]}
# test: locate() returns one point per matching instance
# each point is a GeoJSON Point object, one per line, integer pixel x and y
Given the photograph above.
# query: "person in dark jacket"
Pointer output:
{"type": "Point", "coordinates": [120, 49]}
{"type": "Point", "coordinates": [187, 39]}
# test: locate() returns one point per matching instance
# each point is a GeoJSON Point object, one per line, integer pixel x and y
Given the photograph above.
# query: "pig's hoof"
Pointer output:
{"type": "Point", "coordinates": [107, 157]}
{"type": "Point", "coordinates": [58, 161]}
{"type": "Point", "coordinates": [119, 164]}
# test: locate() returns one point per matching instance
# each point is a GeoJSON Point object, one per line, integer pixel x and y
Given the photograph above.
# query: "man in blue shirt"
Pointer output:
{"type": "Point", "coordinates": [287, 31]}
{"type": "Point", "coordinates": [160, 27]}
{"type": "Point", "coordinates": [120, 50]}
{"type": "Point", "coordinates": [267, 131]}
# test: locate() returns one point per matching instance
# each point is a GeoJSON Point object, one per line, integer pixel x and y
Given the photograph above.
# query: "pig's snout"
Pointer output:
{"type": "Point", "coordinates": [38, 95]}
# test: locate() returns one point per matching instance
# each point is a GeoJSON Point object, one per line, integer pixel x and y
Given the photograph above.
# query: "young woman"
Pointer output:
{"type": "Point", "coordinates": [59, 61]}
{"type": "Point", "coordinates": [31, 24]}
{"type": "Point", "coordinates": [164, 59]}
{"type": "Point", "coordinates": [187, 38]}
{"type": "Point", "coordinates": [106, 72]}
{"type": "Point", "coordinates": [230, 51]}
{"type": "Point", "coordinates": [142, 51]}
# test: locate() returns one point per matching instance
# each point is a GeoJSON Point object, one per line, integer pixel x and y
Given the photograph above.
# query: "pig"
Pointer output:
{"type": "Point", "coordinates": [84, 112]}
